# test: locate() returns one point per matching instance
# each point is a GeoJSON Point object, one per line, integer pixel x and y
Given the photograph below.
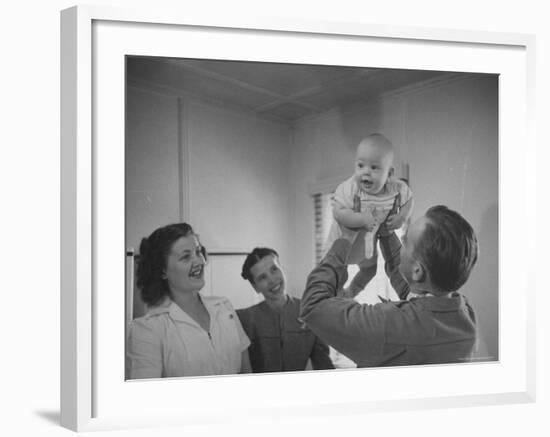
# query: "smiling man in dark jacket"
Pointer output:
{"type": "Point", "coordinates": [279, 340]}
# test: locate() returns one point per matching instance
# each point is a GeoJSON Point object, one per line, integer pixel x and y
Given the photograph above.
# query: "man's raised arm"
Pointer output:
{"type": "Point", "coordinates": [390, 246]}
{"type": "Point", "coordinates": [355, 330]}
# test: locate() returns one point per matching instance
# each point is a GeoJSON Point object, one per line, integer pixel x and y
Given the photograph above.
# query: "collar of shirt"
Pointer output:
{"type": "Point", "coordinates": [287, 315]}
{"type": "Point", "coordinates": [413, 295]}
{"type": "Point", "coordinates": [213, 305]}
{"type": "Point", "coordinates": [441, 304]}
{"type": "Point", "coordinates": [277, 310]}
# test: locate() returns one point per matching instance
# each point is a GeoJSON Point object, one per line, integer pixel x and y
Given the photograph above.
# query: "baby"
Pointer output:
{"type": "Point", "coordinates": [367, 199]}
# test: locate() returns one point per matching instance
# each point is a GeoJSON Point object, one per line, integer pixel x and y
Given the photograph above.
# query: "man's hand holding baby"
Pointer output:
{"type": "Point", "coordinates": [395, 221]}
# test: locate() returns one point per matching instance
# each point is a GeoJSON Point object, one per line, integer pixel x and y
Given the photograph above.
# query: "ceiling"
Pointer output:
{"type": "Point", "coordinates": [285, 92]}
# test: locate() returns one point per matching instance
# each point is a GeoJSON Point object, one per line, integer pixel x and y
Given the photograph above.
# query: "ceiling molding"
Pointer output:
{"type": "Point", "coordinates": [360, 87]}
{"type": "Point", "coordinates": [168, 91]}
{"type": "Point", "coordinates": [443, 79]}
{"type": "Point", "coordinates": [293, 98]}
{"type": "Point", "coordinates": [280, 99]}
{"type": "Point", "coordinates": [223, 78]}
{"type": "Point", "coordinates": [406, 90]}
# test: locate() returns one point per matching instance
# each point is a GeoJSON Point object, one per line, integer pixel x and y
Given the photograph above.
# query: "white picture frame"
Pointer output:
{"type": "Point", "coordinates": [93, 396]}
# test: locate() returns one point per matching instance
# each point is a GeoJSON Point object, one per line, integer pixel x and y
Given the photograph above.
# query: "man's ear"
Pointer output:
{"type": "Point", "coordinates": [391, 171]}
{"type": "Point", "coordinates": [418, 272]}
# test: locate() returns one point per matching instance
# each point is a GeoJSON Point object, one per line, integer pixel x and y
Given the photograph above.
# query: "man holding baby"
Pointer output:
{"type": "Point", "coordinates": [432, 322]}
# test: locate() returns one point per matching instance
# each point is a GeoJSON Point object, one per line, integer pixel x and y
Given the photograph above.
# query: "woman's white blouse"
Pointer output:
{"type": "Point", "coordinates": [167, 342]}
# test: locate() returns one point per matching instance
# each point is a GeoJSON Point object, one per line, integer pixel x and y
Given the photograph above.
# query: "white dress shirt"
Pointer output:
{"type": "Point", "coordinates": [167, 342]}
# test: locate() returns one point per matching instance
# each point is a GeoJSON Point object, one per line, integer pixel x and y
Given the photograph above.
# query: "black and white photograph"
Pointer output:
{"type": "Point", "coordinates": [275, 218]}
{"type": "Point", "coordinates": [295, 217]}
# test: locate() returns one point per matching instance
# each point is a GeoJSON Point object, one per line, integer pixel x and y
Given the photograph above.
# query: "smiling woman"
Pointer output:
{"type": "Point", "coordinates": [182, 333]}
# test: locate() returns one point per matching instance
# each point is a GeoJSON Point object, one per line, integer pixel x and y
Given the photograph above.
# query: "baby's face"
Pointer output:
{"type": "Point", "coordinates": [372, 167]}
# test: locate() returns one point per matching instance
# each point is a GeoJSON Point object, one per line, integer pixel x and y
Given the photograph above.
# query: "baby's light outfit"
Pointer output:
{"type": "Point", "coordinates": [393, 196]}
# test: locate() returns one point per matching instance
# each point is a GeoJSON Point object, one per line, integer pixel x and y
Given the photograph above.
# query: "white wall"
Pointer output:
{"type": "Point", "coordinates": [238, 167]}
{"type": "Point", "coordinates": [237, 186]}
{"type": "Point", "coordinates": [152, 192]}
{"type": "Point", "coordinates": [447, 131]}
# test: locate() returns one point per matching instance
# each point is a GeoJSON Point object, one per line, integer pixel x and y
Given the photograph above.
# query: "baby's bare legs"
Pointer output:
{"type": "Point", "coordinates": [367, 271]}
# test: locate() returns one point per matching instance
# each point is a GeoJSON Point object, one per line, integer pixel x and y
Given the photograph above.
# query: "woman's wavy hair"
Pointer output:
{"type": "Point", "coordinates": [252, 259]}
{"type": "Point", "coordinates": [153, 254]}
{"type": "Point", "coordinates": [448, 248]}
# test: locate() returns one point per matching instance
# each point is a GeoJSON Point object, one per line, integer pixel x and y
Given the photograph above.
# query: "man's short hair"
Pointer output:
{"type": "Point", "coordinates": [253, 258]}
{"type": "Point", "coordinates": [447, 248]}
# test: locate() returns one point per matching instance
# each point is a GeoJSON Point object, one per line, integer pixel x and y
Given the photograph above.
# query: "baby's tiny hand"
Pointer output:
{"type": "Point", "coordinates": [370, 221]}
{"type": "Point", "coordinates": [394, 221]}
